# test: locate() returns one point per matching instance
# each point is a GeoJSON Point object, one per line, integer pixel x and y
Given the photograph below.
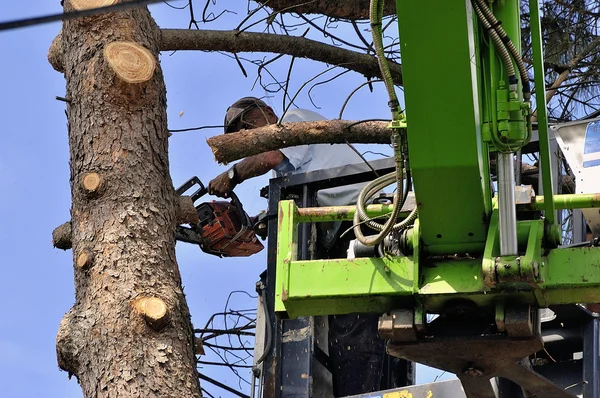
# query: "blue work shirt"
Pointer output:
{"type": "Point", "coordinates": [307, 158]}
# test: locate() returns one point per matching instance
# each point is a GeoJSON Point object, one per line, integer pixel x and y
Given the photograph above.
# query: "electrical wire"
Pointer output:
{"type": "Point", "coordinates": [22, 23]}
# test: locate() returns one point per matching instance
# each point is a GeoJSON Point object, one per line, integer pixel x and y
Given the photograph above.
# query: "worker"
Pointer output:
{"type": "Point", "coordinates": [355, 348]}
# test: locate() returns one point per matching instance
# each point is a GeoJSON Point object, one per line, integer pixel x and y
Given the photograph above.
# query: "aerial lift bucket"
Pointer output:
{"type": "Point", "coordinates": [580, 144]}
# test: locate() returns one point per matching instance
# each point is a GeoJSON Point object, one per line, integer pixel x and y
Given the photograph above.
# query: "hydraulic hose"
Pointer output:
{"type": "Point", "coordinates": [502, 50]}
{"type": "Point", "coordinates": [376, 17]}
{"type": "Point", "coordinates": [491, 18]}
{"type": "Point", "coordinates": [371, 189]}
{"type": "Point", "coordinates": [360, 216]}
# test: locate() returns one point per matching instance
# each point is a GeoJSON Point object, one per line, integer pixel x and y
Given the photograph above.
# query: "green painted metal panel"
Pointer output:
{"type": "Point", "coordinates": [322, 287]}
{"type": "Point", "coordinates": [360, 285]}
{"type": "Point", "coordinates": [542, 113]}
{"type": "Point", "coordinates": [440, 68]}
{"type": "Point", "coordinates": [287, 249]}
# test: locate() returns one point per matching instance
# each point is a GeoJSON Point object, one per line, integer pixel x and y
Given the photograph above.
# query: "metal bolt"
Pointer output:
{"type": "Point", "coordinates": [536, 269]}
{"type": "Point", "coordinates": [472, 371]}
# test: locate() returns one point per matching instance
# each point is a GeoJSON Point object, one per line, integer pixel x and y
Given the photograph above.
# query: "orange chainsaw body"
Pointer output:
{"type": "Point", "coordinates": [223, 232]}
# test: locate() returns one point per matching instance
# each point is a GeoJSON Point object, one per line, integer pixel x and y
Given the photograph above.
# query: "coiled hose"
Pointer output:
{"type": "Point", "coordinates": [502, 50]}
{"type": "Point", "coordinates": [493, 21]}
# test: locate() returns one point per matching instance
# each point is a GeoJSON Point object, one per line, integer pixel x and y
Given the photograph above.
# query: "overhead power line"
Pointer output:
{"type": "Point", "coordinates": [21, 23]}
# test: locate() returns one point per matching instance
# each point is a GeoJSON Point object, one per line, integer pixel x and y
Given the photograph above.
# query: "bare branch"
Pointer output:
{"type": "Point", "coordinates": [300, 47]}
{"type": "Point", "coordinates": [341, 9]}
{"type": "Point", "coordinates": [572, 64]}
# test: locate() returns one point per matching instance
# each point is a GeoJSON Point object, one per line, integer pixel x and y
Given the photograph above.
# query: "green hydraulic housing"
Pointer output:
{"type": "Point", "coordinates": [536, 277]}
{"type": "Point", "coordinates": [448, 158]}
{"type": "Point", "coordinates": [462, 107]}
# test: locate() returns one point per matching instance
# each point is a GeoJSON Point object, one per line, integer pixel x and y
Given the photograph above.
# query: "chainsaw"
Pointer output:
{"type": "Point", "coordinates": [224, 230]}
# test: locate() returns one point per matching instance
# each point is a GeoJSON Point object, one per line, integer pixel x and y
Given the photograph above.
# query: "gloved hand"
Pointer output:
{"type": "Point", "coordinates": [221, 185]}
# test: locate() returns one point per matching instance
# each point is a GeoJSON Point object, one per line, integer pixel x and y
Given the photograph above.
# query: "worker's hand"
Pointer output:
{"type": "Point", "coordinates": [221, 186]}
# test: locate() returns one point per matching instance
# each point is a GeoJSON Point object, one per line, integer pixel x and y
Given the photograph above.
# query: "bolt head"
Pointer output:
{"type": "Point", "coordinates": [472, 371]}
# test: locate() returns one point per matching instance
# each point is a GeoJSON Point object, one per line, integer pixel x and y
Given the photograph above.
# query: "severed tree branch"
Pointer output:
{"type": "Point", "coordinates": [299, 47]}
{"type": "Point", "coordinates": [340, 9]}
{"type": "Point", "coordinates": [234, 146]}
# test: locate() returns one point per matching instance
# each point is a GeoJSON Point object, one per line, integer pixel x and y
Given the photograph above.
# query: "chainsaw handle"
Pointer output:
{"type": "Point", "coordinates": [240, 209]}
{"type": "Point", "coordinates": [200, 192]}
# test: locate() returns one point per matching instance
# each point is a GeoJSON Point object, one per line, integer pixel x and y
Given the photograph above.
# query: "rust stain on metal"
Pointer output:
{"type": "Point", "coordinates": [284, 293]}
{"type": "Point", "coordinates": [279, 219]}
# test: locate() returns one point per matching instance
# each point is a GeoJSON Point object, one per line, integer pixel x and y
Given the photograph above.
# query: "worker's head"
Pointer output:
{"type": "Point", "coordinates": [248, 113]}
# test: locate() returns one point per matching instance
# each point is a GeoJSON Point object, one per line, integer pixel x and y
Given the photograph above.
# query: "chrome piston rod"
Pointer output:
{"type": "Point", "coordinates": [506, 204]}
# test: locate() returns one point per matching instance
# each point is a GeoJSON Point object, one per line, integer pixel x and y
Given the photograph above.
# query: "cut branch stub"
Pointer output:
{"type": "Point", "coordinates": [61, 236]}
{"type": "Point", "coordinates": [91, 182]}
{"type": "Point", "coordinates": [130, 61]}
{"type": "Point", "coordinates": [186, 212]}
{"type": "Point", "coordinates": [154, 312]}
{"type": "Point", "coordinates": [198, 346]}
{"type": "Point", "coordinates": [85, 259]}
{"type": "Point", "coordinates": [55, 54]}
{"type": "Point", "coordinates": [89, 4]}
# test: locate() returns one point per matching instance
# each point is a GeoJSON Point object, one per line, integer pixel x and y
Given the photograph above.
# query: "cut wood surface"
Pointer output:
{"type": "Point", "coordinates": [85, 259]}
{"type": "Point", "coordinates": [92, 182]}
{"type": "Point", "coordinates": [130, 61]}
{"type": "Point", "coordinates": [89, 4]}
{"type": "Point", "coordinates": [154, 311]}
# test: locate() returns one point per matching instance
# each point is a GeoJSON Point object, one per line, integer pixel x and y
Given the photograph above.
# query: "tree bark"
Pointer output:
{"type": "Point", "coordinates": [340, 9]}
{"type": "Point", "coordinates": [234, 146]}
{"type": "Point", "coordinates": [129, 332]}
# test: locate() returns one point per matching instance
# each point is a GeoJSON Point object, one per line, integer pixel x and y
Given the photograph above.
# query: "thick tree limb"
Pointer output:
{"type": "Point", "coordinates": [341, 9]}
{"type": "Point", "coordinates": [572, 64]}
{"type": "Point", "coordinates": [230, 147]}
{"type": "Point", "coordinates": [234, 146]}
{"type": "Point", "coordinates": [552, 90]}
{"type": "Point", "coordinates": [300, 47]}
{"type": "Point", "coordinates": [236, 42]}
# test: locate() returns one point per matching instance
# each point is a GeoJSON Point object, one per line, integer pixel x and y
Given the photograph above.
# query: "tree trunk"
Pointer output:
{"type": "Point", "coordinates": [129, 332]}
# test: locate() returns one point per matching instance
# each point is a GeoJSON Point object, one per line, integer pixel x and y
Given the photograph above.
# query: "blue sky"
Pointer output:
{"type": "Point", "coordinates": [36, 286]}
